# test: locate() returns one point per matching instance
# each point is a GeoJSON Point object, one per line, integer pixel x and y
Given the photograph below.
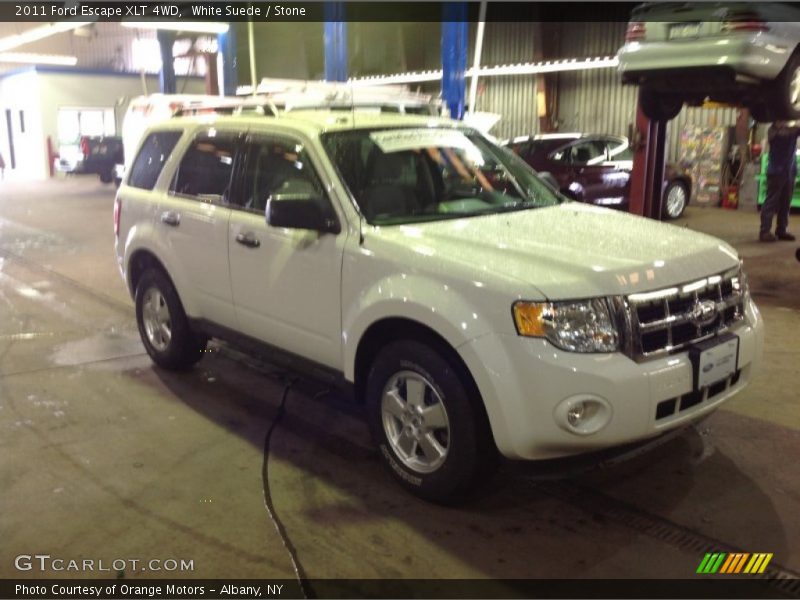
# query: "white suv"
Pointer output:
{"type": "Point", "coordinates": [467, 304]}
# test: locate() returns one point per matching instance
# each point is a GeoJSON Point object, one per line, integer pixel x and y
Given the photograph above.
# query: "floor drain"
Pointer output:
{"type": "Point", "coordinates": [594, 502]}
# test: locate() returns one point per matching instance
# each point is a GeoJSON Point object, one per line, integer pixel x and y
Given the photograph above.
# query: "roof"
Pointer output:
{"type": "Point", "coordinates": [314, 122]}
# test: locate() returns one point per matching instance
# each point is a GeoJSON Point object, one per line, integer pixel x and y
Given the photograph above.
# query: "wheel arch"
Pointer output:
{"type": "Point", "coordinates": [139, 262]}
{"type": "Point", "coordinates": [685, 180]}
{"type": "Point", "coordinates": [391, 329]}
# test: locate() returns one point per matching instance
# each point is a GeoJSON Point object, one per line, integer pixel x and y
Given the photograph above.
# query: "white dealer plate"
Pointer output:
{"type": "Point", "coordinates": [718, 362]}
{"type": "Point", "coordinates": [684, 30]}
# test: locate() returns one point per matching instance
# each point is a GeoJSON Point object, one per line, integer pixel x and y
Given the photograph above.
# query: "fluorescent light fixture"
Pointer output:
{"type": "Point", "coordinates": [38, 33]}
{"type": "Point", "coordinates": [38, 59]}
{"type": "Point", "coordinates": [190, 26]}
{"type": "Point", "coordinates": [548, 66]}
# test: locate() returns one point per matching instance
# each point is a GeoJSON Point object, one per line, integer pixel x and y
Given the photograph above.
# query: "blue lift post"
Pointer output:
{"type": "Point", "coordinates": [166, 80]}
{"type": "Point", "coordinates": [226, 46]}
{"type": "Point", "coordinates": [454, 57]}
{"type": "Point", "coordinates": [335, 39]}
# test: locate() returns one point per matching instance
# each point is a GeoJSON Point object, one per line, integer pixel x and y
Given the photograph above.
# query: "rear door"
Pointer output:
{"type": "Point", "coordinates": [194, 222]}
{"type": "Point", "coordinates": [286, 282]}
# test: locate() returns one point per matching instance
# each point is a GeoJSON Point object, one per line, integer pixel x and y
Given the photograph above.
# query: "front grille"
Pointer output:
{"type": "Point", "coordinates": [671, 319]}
{"type": "Point", "coordinates": [668, 408]}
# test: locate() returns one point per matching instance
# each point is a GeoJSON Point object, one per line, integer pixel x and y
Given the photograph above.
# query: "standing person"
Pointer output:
{"type": "Point", "coordinates": [781, 173]}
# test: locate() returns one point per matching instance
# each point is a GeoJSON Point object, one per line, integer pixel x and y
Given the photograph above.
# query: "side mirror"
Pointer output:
{"type": "Point", "coordinates": [299, 211]}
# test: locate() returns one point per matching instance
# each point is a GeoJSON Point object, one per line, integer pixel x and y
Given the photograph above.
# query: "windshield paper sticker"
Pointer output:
{"type": "Point", "coordinates": [398, 140]}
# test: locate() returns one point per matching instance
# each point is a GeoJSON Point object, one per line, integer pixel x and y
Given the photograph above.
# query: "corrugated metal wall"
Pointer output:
{"type": "Point", "coordinates": [514, 97]}
{"type": "Point", "coordinates": [596, 102]}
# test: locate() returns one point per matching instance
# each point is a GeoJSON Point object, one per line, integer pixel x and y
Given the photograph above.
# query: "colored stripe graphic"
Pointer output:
{"type": "Point", "coordinates": [734, 563]}
{"type": "Point", "coordinates": [711, 562]}
{"type": "Point", "coordinates": [715, 567]}
{"type": "Point", "coordinates": [742, 558]}
{"type": "Point", "coordinates": [703, 563]}
{"type": "Point", "coordinates": [758, 563]}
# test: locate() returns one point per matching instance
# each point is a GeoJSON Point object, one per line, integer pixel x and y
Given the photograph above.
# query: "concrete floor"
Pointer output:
{"type": "Point", "coordinates": [104, 456]}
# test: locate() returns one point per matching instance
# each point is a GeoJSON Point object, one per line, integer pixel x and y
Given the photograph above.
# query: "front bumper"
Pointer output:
{"type": "Point", "coordinates": [758, 56]}
{"type": "Point", "coordinates": [525, 382]}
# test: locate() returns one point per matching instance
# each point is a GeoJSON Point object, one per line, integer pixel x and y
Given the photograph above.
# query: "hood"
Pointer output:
{"type": "Point", "coordinates": [571, 250]}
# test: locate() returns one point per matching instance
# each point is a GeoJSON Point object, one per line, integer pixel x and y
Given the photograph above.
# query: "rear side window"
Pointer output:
{"type": "Point", "coordinates": [154, 153]}
{"type": "Point", "coordinates": [205, 169]}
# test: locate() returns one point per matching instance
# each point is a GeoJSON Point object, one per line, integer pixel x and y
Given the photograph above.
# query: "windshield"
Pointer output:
{"type": "Point", "coordinates": [407, 175]}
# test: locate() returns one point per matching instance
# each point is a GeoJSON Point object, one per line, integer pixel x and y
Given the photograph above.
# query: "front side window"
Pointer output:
{"type": "Point", "coordinates": [205, 169]}
{"type": "Point", "coordinates": [619, 150]}
{"type": "Point", "coordinates": [590, 152]}
{"type": "Point", "coordinates": [405, 175]}
{"type": "Point", "coordinates": [278, 167]}
{"type": "Point", "coordinates": [154, 153]}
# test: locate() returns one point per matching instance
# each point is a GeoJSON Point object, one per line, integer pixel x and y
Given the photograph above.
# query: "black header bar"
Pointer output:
{"type": "Point", "coordinates": [190, 589]}
{"type": "Point", "coordinates": [293, 11]}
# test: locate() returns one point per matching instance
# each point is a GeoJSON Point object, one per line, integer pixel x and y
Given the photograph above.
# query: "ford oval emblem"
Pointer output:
{"type": "Point", "coordinates": [703, 313]}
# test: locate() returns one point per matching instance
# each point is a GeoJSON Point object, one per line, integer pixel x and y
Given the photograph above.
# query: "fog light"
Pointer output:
{"type": "Point", "coordinates": [575, 413]}
{"type": "Point", "coordinates": [583, 414]}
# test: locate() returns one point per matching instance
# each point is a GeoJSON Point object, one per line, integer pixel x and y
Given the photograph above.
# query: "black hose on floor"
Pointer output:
{"type": "Point", "coordinates": [302, 578]}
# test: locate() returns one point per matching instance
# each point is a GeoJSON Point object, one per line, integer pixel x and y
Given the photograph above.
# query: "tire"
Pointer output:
{"type": "Point", "coordinates": [106, 176]}
{"type": "Point", "coordinates": [163, 326]}
{"type": "Point", "coordinates": [441, 460]}
{"type": "Point", "coordinates": [676, 197]}
{"type": "Point", "coordinates": [787, 90]}
{"type": "Point", "coordinates": [658, 106]}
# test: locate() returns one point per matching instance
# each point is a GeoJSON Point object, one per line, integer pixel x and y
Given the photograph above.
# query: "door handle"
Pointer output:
{"type": "Point", "coordinates": [171, 218]}
{"type": "Point", "coordinates": [247, 239]}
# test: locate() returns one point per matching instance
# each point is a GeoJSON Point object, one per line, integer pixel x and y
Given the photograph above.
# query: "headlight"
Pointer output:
{"type": "Point", "coordinates": [577, 326]}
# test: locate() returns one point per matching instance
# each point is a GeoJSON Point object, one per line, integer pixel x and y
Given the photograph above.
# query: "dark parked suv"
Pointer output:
{"type": "Point", "coordinates": [597, 169]}
{"type": "Point", "coordinates": [92, 154]}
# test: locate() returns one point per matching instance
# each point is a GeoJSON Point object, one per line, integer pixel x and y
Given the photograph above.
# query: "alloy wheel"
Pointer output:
{"type": "Point", "coordinates": [156, 319]}
{"type": "Point", "coordinates": [415, 421]}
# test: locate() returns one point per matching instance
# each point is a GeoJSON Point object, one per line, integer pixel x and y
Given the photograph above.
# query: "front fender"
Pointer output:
{"type": "Point", "coordinates": [417, 298]}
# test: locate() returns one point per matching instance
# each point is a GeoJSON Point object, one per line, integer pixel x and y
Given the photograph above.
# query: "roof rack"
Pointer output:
{"type": "Point", "coordinates": [292, 94]}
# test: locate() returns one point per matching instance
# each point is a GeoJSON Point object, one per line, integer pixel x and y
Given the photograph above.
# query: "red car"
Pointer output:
{"type": "Point", "coordinates": [596, 169]}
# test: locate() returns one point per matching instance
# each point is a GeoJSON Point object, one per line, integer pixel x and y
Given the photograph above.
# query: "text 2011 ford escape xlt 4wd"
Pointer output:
{"type": "Point", "coordinates": [471, 307]}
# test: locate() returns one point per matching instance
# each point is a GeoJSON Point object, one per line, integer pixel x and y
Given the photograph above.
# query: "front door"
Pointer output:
{"type": "Point", "coordinates": [286, 282]}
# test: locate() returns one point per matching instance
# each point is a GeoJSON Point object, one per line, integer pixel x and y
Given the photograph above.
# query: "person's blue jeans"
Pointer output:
{"type": "Point", "coordinates": [779, 197]}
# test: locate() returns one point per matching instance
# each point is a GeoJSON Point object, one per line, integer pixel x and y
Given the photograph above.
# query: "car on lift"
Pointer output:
{"type": "Point", "coordinates": [471, 308]}
{"type": "Point", "coordinates": [596, 169]}
{"type": "Point", "coordinates": [743, 54]}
